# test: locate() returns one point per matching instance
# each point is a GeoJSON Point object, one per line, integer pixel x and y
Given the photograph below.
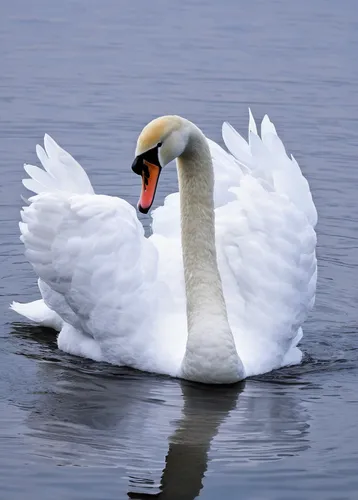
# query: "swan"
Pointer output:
{"type": "Point", "coordinates": [220, 289]}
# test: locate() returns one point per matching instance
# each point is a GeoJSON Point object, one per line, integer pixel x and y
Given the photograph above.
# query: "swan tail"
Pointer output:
{"type": "Point", "coordinates": [38, 312]}
{"type": "Point", "coordinates": [60, 172]}
{"type": "Point", "coordinates": [266, 158]}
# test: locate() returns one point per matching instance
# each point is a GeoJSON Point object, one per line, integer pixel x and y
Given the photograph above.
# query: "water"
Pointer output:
{"type": "Point", "coordinates": [92, 74]}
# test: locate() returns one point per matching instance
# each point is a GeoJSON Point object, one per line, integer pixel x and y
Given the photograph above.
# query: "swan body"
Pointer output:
{"type": "Point", "coordinates": [221, 288]}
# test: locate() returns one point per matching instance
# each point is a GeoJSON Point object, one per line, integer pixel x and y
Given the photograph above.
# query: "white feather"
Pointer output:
{"type": "Point", "coordinates": [252, 123]}
{"type": "Point", "coordinates": [119, 297]}
{"type": "Point", "coordinates": [62, 172]}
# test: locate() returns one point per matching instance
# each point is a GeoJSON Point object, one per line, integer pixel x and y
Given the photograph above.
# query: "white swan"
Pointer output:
{"type": "Point", "coordinates": [208, 301]}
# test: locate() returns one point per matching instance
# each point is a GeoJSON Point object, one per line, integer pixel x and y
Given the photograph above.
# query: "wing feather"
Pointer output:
{"type": "Point", "coordinates": [266, 250]}
{"type": "Point", "coordinates": [61, 172]}
{"type": "Point", "coordinates": [92, 263]}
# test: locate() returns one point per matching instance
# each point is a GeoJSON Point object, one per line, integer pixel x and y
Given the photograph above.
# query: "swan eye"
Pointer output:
{"type": "Point", "coordinates": [159, 144]}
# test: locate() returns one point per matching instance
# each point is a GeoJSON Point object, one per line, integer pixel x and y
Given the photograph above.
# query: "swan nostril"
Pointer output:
{"type": "Point", "coordinates": [145, 174]}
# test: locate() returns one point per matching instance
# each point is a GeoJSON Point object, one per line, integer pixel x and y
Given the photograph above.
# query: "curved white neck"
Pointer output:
{"type": "Point", "coordinates": [211, 354]}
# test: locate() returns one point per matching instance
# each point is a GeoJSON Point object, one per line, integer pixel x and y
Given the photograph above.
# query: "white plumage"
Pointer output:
{"type": "Point", "coordinates": [119, 297]}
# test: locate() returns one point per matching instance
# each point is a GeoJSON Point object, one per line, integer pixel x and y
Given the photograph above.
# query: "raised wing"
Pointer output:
{"type": "Point", "coordinates": [266, 250]}
{"type": "Point", "coordinates": [61, 172]}
{"type": "Point", "coordinates": [91, 251]}
{"type": "Point", "coordinates": [96, 268]}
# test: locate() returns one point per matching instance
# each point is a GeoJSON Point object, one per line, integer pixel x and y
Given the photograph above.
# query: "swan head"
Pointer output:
{"type": "Point", "coordinates": [159, 143]}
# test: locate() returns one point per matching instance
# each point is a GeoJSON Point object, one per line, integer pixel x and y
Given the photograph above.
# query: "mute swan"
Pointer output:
{"type": "Point", "coordinates": [221, 288]}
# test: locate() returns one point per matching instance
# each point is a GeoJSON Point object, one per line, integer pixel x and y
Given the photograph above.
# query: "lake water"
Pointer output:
{"type": "Point", "coordinates": [92, 73]}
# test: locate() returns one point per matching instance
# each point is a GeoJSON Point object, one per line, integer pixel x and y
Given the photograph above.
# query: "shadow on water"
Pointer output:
{"type": "Point", "coordinates": [158, 430]}
{"type": "Point", "coordinates": [186, 462]}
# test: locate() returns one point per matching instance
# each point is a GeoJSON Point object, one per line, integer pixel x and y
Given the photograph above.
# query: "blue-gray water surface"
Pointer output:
{"type": "Point", "coordinates": [92, 73]}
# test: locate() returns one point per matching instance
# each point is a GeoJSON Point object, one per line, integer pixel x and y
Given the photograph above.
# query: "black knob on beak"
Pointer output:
{"type": "Point", "coordinates": [137, 165]}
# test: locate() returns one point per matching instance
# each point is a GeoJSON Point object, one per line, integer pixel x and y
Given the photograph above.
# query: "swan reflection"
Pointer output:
{"type": "Point", "coordinates": [162, 435]}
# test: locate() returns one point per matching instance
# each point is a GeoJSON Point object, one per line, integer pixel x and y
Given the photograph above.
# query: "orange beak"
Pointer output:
{"type": "Point", "coordinates": [150, 176]}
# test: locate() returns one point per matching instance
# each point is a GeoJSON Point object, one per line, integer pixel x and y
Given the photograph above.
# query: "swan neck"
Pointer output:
{"type": "Point", "coordinates": [196, 187]}
{"type": "Point", "coordinates": [210, 351]}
